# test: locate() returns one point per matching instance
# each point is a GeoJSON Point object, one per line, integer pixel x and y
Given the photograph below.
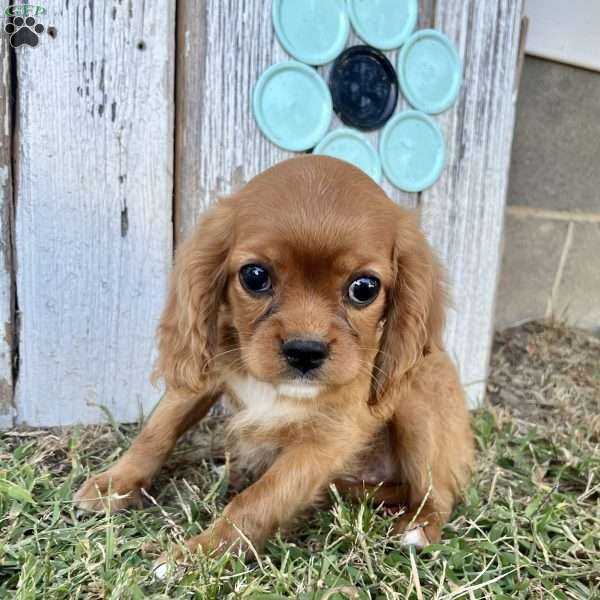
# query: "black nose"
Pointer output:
{"type": "Point", "coordinates": [304, 355]}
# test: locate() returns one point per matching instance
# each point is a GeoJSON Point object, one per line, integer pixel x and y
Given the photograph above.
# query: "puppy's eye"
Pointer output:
{"type": "Point", "coordinates": [363, 291]}
{"type": "Point", "coordinates": [255, 279]}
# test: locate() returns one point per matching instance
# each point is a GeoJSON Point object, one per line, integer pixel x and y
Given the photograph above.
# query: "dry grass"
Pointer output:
{"type": "Point", "coordinates": [548, 376]}
{"type": "Point", "coordinates": [529, 527]}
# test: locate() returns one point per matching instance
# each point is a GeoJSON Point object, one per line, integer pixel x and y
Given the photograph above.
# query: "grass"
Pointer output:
{"type": "Point", "coordinates": [529, 526]}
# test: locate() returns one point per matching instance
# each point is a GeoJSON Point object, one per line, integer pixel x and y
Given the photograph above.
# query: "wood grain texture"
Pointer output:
{"type": "Point", "coordinates": [463, 213]}
{"type": "Point", "coordinates": [229, 44]}
{"type": "Point", "coordinates": [94, 206]}
{"type": "Point", "coordinates": [426, 14]}
{"type": "Point", "coordinates": [6, 207]}
{"type": "Point", "coordinates": [189, 104]}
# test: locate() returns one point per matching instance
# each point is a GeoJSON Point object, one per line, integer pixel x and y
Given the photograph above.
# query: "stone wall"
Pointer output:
{"type": "Point", "coordinates": [551, 262]}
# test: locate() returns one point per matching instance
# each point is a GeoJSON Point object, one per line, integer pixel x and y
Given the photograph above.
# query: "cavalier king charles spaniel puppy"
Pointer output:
{"type": "Point", "coordinates": [314, 306]}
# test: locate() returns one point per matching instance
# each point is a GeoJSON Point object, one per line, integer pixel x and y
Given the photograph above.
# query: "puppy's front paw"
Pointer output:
{"type": "Point", "coordinates": [113, 490]}
{"type": "Point", "coordinates": [216, 540]}
{"type": "Point", "coordinates": [423, 527]}
{"type": "Point", "coordinates": [219, 538]}
{"type": "Point", "coordinates": [160, 570]}
{"type": "Point", "coordinates": [206, 543]}
{"type": "Point", "coordinates": [417, 532]}
{"type": "Point", "coordinates": [415, 537]}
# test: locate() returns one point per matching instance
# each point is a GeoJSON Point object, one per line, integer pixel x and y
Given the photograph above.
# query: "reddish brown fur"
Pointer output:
{"type": "Point", "coordinates": [389, 393]}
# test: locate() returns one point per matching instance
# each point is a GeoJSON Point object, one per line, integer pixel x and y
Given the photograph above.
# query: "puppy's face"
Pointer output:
{"type": "Point", "coordinates": [315, 277]}
{"type": "Point", "coordinates": [307, 286]}
{"type": "Point", "coordinates": [309, 274]}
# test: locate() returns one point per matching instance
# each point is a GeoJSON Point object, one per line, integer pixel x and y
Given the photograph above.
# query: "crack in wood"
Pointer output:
{"type": "Point", "coordinates": [8, 352]}
{"type": "Point", "coordinates": [124, 221]}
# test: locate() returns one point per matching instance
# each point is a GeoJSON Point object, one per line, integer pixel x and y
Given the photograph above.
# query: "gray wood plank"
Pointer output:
{"type": "Point", "coordinates": [426, 14]}
{"type": "Point", "coordinates": [6, 207]}
{"type": "Point", "coordinates": [463, 213]}
{"type": "Point", "coordinates": [189, 90]}
{"type": "Point", "coordinates": [224, 47]}
{"type": "Point", "coordinates": [94, 207]}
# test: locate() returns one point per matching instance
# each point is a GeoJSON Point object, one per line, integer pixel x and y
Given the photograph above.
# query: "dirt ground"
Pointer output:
{"type": "Point", "coordinates": [548, 375]}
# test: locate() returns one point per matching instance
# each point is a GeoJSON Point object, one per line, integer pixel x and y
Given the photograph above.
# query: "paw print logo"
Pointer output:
{"type": "Point", "coordinates": [294, 101]}
{"type": "Point", "coordinates": [24, 31]}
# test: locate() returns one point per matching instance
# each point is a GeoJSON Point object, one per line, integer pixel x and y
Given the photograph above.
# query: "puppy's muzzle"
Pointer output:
{"type": "Point", "coordinates": [304, 355]}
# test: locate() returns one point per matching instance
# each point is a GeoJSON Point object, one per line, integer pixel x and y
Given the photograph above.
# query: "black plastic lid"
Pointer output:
{"type": "Point", "coordinates": [364, 87]}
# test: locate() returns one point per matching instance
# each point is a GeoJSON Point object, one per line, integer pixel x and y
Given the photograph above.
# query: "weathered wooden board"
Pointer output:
{"type": "Point", "coordinates": [94, 182]}
{"type": "Point", "coordinates": [463, 212]}
{"type": "Point", "coordinates": [6, 277]}
{"type": "Point", "coordinates": [426, 14]}
{"type": "Point", "coordinates": [190, 199]}
{"type": "Point", "coordinates": [94, 206]}
{"type": "Point", "coordinates": [224, 47]}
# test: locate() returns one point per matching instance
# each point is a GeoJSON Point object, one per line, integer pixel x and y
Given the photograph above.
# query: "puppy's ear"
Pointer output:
{"type": "Point", "coordinates": [188, 330]}
{"type": "Point", "coordinates": [415, 308]}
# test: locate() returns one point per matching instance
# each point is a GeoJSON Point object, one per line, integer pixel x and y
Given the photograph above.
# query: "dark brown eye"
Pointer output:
{"type": "Point", "coordinates": [255, 279]}
{"type": "Point", "coordinates": [363, 291]}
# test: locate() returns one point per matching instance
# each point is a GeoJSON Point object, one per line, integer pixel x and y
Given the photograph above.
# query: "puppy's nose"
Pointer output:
{"type": "Point", "coordinates": [304, 355]}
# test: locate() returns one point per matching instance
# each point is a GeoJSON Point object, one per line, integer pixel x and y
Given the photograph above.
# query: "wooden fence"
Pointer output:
{"type": "Point", "coordinates": [128, 119]}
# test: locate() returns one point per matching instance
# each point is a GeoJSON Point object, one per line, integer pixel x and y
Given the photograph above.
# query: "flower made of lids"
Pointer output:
{"type": "Point", "coordinates": [293, 106]}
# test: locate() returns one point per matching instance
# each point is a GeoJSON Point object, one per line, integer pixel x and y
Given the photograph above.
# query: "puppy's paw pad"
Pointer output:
{"type": "Point", "coordinates": [415, 537]}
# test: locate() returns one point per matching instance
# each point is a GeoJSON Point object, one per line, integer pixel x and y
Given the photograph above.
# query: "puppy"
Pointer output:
{"type": "Point", "coordinates": [316, 307]}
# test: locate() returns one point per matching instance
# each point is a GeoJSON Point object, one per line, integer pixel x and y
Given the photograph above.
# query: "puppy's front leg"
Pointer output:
{"type": "Point", "coordinates": [294, 482]}
{"type": "Point", "coordinates": [120, 486]}
{"type": "Point", "coordinates": [433, 445]}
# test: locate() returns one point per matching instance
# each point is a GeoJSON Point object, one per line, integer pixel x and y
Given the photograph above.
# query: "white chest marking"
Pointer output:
{"type": "Point", "coordinates": [306, 391]}
{"type": "Point", "coordinates": [265, 403]}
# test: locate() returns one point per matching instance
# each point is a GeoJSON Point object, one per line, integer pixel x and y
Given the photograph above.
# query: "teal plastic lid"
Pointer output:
{"type": "Point", "coordinates": [353, 147]}
{"type": "Point", "coordinates": [430, 71]}
{"type": "Point", "coordinates": [384, 24]}
{"type": "Point", "coordinates": [312, 31]}
{"type": "Point", "coordinates": [412, 151]}
{"type": "Point", "coordinates": [292, 105]}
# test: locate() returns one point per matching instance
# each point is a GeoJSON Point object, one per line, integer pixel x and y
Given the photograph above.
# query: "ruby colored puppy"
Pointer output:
{"type": "Point", "coordinates": [314, 305]}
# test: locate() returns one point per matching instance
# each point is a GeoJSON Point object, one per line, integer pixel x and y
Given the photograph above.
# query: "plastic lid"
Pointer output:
{"type": "Point", "coordinates": [313, 31]}
{"type": "Point", "coordinates": [364, 87]}
{"type": "Point", "coordinates": [385, 24]}
{"type": "Point", "coordinates": [292, 105]}
{"type": "Point", "coordinates": [412, 151]}
{"type": "Point", "coordinates": [353, 147]}
{"type": "Point", "coordinates": [430, 71]}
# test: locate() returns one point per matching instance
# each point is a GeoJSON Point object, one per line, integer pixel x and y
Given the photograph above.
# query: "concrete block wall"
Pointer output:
{"type": "Point", "coordinates": [551, 261]}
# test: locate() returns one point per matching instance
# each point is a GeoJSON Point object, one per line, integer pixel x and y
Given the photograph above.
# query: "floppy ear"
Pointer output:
{"type": "Point", "coordinates": [415, 308]}
{"type": "Point", "coordinates": [188, 330]}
